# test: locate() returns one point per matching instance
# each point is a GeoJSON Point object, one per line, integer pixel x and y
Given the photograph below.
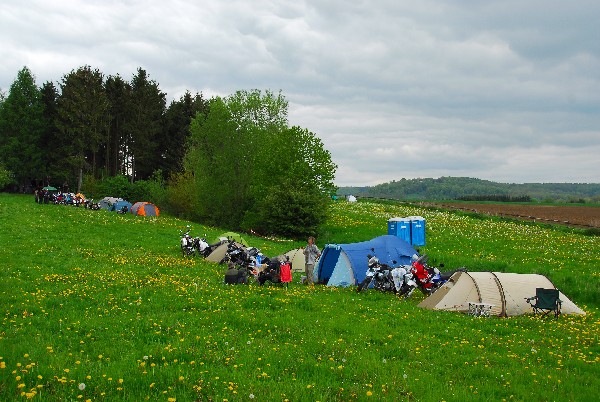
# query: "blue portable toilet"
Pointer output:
{"type": "Point", "coordinates": [417, 230]}
{"type": "Point", "coordinates": [400, 227]}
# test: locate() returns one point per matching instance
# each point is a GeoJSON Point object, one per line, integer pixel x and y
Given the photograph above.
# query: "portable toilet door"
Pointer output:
{"type": "Point", "coordinates": [400, 227]}
{"type": "Point", "coordinates": [417, 231]}
{"type": "Point", "coordinates": [393, 226]}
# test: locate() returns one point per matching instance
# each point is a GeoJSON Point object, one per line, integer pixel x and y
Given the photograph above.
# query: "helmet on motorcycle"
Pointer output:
{"type": "Point", "coordinates": [414, 257]}
{"type": "Point", "coordinates": [373, 261]}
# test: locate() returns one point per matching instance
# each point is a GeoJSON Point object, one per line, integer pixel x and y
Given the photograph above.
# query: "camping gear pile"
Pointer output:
{"type": "Point", "coordinates": [50, 195]}
{"type": "Point", "coordinates": [243, 262]}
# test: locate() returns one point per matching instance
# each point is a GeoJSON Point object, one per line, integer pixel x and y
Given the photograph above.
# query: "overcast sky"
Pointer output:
{"type": "Point", "coordinates": [507, 91]}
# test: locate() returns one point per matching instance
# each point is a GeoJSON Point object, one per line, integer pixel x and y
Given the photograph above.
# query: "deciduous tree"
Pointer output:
{"type": "Point", "coordinates": [243, 154]}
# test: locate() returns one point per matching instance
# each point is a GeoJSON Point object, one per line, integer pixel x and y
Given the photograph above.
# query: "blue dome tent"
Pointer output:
{"type": "Point", "coordinates": [117, 206]}
{"type": "Point", "coordinates": [346, 264]}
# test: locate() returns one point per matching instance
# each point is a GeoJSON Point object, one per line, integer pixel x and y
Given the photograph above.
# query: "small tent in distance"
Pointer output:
{"type": "Point", "coordinates": [143, 208]}
{"type": "Point", "coordinates": [120, 205]}
{"type": "Point", "coordinates": [232, 236]}
{"type": "Point", "coordinates": [347, 264]}
{"type": "Point", "coordinates": [107, 202]}
{"type": "Point", "coordinates": [506, 292]}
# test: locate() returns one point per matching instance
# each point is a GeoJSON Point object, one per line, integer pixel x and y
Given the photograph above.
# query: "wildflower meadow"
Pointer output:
{"type": "Point", "coordinates": [97, 306]}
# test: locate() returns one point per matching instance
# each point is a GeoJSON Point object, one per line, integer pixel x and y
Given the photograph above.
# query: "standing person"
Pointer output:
{"type": "Point", "coordinates": [311, 254]}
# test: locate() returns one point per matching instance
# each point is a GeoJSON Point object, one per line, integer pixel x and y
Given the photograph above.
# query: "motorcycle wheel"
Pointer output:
{"type": "Point", "coordinates": [403, 290]}
{"type": "Point", "coordinates": [364, 284]}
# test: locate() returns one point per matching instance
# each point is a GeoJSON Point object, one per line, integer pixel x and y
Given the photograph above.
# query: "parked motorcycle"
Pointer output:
{"type": "Point", "coordinates": [241, 255]}
{"type": "Point", "coordinates": [90, 204]}
{"type": "Point", "coordinates": [190, 246]}
{"type": "Point", "coordinates": [421, 276]}
{"type": "Point", "coordinates": [379, 274]}
{"type": "Point", "coordinates": [187, 243]}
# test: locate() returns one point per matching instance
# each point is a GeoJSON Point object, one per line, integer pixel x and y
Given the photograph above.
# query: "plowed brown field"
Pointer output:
{"type": "Point", "coordinates": [582, 216]}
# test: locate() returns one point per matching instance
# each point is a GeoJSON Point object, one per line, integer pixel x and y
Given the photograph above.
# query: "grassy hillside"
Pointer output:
{"type": "Point", "coordinates": [99, 306]}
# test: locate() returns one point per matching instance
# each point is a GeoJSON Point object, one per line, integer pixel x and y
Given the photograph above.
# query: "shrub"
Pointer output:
{"type": "Point", "coordinates": [288, 211]}
{"type": "Point", "coordinates": [180, 196]}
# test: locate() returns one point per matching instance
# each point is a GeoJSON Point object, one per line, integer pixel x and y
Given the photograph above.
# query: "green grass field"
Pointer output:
{"type": "Point", "coordinates": [99, 306]}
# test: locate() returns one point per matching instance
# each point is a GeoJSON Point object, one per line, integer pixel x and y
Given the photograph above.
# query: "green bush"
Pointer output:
{"type": "Point", "coordinates": [288, 211]}
{"type": "Point", "coordinates": [152, 190]}
{"type": "Point", "coordinates": [6, 177]}
{"type": "Point", "coordinates": [114, 186]}
{"type": "Point", "coordinates": [180, 196]}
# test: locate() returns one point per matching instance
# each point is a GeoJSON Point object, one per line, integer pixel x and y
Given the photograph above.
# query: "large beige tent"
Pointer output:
{"type": "Point", "coordinates": [505, 291]}
{"type": "Point", "coordinates": [297, 259]}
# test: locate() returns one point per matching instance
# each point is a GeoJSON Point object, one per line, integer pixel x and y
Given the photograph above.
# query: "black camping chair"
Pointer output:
{"type": "Point", "coordinates": [546, 301]}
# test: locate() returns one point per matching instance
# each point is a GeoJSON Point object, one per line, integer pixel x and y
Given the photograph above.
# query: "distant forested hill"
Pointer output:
{"type": "Point", "coordinates": [447, 188]}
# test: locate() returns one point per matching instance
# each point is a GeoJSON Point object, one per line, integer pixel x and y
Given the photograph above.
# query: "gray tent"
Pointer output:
{"type": "Point", "coordinates": [107, 202]}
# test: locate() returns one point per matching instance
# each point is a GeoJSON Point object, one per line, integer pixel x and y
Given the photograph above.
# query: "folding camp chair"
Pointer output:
{"type": "Point", "coordinates": [546, 301]}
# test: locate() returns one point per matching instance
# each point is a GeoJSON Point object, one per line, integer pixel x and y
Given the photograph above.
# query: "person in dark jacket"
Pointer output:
{"type": "Point", "coordinates": [232, 274]}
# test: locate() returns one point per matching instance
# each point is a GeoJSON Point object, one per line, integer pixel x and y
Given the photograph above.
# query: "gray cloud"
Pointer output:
{"type": "Point", "coordinates": [500, 90]}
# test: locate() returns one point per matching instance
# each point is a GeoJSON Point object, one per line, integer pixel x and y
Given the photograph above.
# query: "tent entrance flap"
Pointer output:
{"type": "Point", "coordinates": [342, 274]}
{"type": "Point", "coordinates": [327, 263]}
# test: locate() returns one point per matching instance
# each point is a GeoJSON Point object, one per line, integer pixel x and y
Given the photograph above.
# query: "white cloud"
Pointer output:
{"type": "Point", "coordinates": [506, 91]}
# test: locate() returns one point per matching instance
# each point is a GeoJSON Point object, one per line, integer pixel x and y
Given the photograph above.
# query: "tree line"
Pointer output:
{"type": "Point", "coordinates": [447, 188]}
{"type": "Point", "coordinates": [495, 198]}
{"type": "Point", "coordinates": [91, 124]}
{"type": "Point", "coordinates": [232, 161]}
